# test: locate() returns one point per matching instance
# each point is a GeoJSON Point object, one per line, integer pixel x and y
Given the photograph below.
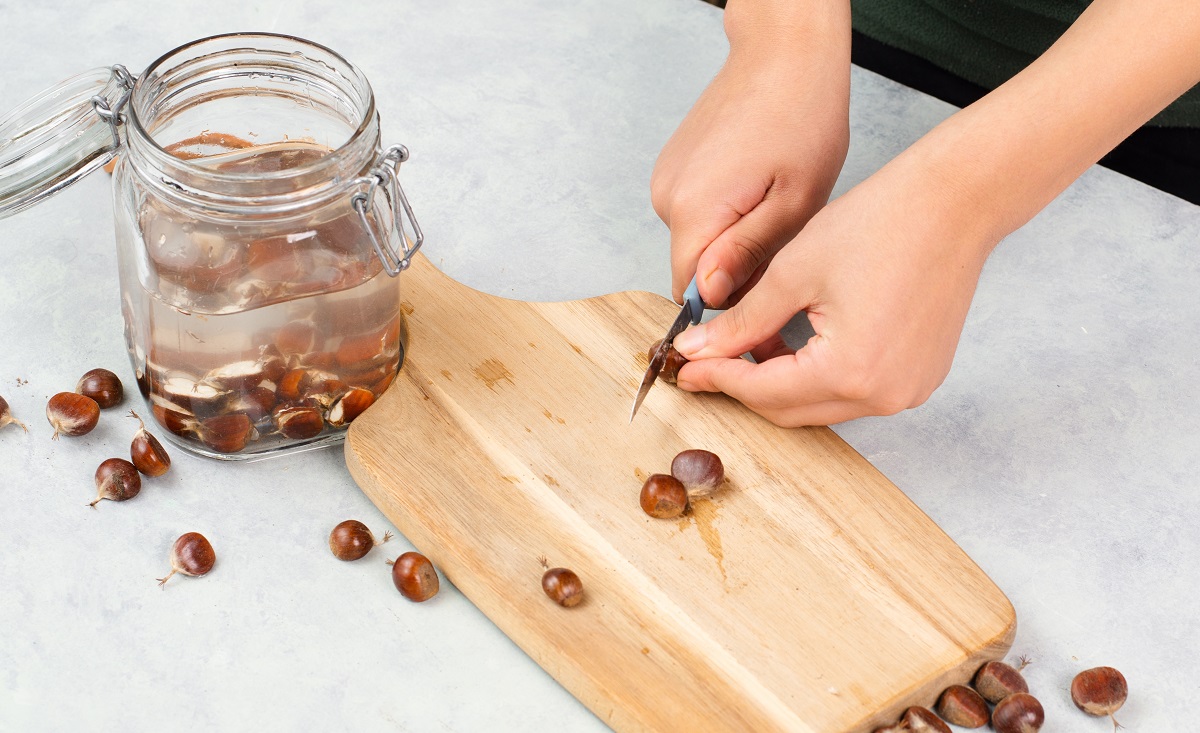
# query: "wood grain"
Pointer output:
{"type": "Point", "coordinates": [809, 595]}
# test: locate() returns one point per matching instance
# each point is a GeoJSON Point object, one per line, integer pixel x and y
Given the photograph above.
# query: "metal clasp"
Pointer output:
{"type": "Point", "coordinates": [113, 113]}
{"type": "Point", "coordinates": [384, 172]}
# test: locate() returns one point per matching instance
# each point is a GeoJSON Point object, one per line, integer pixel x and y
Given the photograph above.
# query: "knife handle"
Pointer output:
{"type": "Point", "coordinates": [692, 296]}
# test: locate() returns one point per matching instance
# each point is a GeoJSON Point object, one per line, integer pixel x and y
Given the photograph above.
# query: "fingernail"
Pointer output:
{"type": "Point", "coordinates": [719, 285]}
{"type": "Point", "coordinates": [691, 340]}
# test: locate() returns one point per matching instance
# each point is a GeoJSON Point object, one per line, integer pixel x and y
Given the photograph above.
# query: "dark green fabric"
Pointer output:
{"type": "Point", "coordinates": [987, 41]}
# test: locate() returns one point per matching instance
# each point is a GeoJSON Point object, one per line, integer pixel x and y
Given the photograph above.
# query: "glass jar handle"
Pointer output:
{"type": "Point", "coordinates": [113, 113]}
{"type": "Point", "coordinates": [384, 173]}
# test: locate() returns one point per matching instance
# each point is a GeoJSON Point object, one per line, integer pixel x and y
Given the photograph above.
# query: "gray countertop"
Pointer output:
{"type": "Point", "coordinates": [1062, 453]}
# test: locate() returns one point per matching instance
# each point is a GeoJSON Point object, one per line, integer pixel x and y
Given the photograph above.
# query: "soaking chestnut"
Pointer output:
{"type": "Point", "coordinates": [245, 253]}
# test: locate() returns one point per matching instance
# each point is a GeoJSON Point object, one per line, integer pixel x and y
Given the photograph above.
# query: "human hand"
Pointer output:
{"type": "Point", "coordinates": [756, 157]}
{"type": "Point", "coordinates": [886, 274]}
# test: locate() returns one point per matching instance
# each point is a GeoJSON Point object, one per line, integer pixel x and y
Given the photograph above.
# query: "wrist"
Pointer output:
{"type": "Point", "coordinates": [783, 28]}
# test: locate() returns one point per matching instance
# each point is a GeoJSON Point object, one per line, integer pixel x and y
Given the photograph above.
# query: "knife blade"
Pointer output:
{"type": "Point", "coordinates": [689, 314]}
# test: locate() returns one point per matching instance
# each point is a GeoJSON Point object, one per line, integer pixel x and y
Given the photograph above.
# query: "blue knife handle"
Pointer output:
{"type": "Point", "coordinates": [692, 296]}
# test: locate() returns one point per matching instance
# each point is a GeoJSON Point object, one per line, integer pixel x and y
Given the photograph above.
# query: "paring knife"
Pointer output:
{"type": "Point", "coordinates": [689, 314]}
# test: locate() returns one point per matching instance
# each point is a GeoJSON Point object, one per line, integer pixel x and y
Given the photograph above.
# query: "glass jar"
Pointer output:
{"type": "Point", "coordinates": [258, 226]}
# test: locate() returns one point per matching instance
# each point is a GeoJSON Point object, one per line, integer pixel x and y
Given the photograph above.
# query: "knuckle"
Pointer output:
{"type": "Point", "coordinates": [734, 322]}
{"type": "Point", "coordinates": [748, 253]}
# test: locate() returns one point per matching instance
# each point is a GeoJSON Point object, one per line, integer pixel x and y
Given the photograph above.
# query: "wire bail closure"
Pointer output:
{"type": "Point", "coordinates": [114, 114]}
{"type": "Point", "coordinates": [384, 173]}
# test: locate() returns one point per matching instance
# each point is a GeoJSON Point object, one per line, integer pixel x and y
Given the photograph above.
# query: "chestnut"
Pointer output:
{"type": "Point", "coordinates": [1099, 691]}
{"type": "Point", "coordinates": [361, 350]}
{"type": "Point", "coordinates": [6, 417]}
{"type": "Point", "coordinates": [299, 422]}
{"type": "Point", "coordinates": [563, 587]}
{"type": "Point", "coordinates": [414, 576]}
{"type": "Point", "coordinates": [673, 362]}
{"type": "Point", "coordinates": [997, 680]}
{"type": "Point", "coordinates": [349, 406]}
{"type": "Point", "coordinates": [102, 386]}
{"type": "Point", "coordinates": [116, 480]}
{"type": "Point", "coordinates": [227, 433]}
{"type": "Point", "coordinates": [663, 496]}
{"type": "Point", "coordinates": [1020, 712]}
{"type": "Point", "coordinates": [198, 398]}
{"type": "Point", "coordinates": [963, 706]}
{"type": "Point", "coordinates": [351, 540]}
{"type": "Point", "coordinates": [240, 375]}
{"type": "Point", "coordinates": [297, 338]}
{"type": "Point", "coordinates": [923, 720]}
{"type": "Point", "coordinates": [146, 453]}
{"type": "Point", "coordinates": [192, 554]}
{"type": "Point", "coordinates": [72, 414]}
{"type": "Point", "coordinates": [256, 403]}
{"type": "Point", "coordinates": [701, 471]}
{"type": "Point", "coordinates": [299, 383]}
{"type": "Point", "coordinates": [173, 417]}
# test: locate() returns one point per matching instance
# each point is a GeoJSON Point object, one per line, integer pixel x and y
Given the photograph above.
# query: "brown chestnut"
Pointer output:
{"type": "Point", "coordinates": [414, 577]}
{"type": "Point", "coordinates": [172, 417]}
{"type": "Point", "coordinates": [351, 540]}
{"type": "Point", "coordinates": [6, 417]}
{"type": "Point", "coordinates": [299, 422]}
{"type": "Point", "coordinates": [997, 680]}
{"type": "Point", "coordinates": [297, 384]}
{"type": "Point", "coordinates": [923, 720]}
{"type": "Point", "coordinates": [963, 706]}
{"type": "Point", "coordinates": [239, 375]}
{"type": "Point", "coordinates": [116, 480]}
{"type": "Point", "coordinates": [72, 414]}
{"type": "Point", "coordinates": [349, 406]}
{"type": "Point", "coordinates": [192, 554]}
{"type": "Point", "coordinates": [1020, 712]}
{"type": "Point", "coordinates": [701, 471]}
{"type": "Point", "coordinates": [673, 362]}
{"type": "Point", "coordinates": [256, 403]}
{"type": "Point", "coordinates": [102, 386]}
{"type": "Point", "coordinates": [356, 352]}
{"type": "Point", "coordinates": [147, 454]}
{"type": "Point", "coordinates": [563, 587]}
{"type": "Point", "coordinates": [663, 496]}
{"type": "Point", "coordinates": [1099, 691]}
{"type": "Point", "coordinates": [227, 433]}
{"type": "Point", "coordinates": [297, 338]}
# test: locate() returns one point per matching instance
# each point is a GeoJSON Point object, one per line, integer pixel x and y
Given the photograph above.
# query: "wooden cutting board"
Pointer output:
{"type": "Point", "coordinates": [810, 595]}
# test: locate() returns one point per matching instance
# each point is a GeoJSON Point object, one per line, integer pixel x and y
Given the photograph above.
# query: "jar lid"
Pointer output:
{"type": "Point", "coordinates": [58, 137]}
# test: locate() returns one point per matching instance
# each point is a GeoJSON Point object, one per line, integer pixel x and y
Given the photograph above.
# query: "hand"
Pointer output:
{"type": "Point", "coordinates": [754, 159]}
{"type": "Point", "coordinates": [886, 280]}
{"type": "Point", "coordinates": [886, 273]}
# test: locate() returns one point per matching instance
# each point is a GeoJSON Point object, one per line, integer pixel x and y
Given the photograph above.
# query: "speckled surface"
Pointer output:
{"type": "Point", "coordinates": [1062, 453]}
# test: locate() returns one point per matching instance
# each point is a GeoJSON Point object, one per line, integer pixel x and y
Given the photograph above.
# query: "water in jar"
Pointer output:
{"type": "Point", "coordinates": [247, 339]}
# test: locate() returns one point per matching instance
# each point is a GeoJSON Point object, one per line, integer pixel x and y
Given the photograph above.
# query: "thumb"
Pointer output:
{"type": "Point", "coordinates": [756, 319]}
{"type": "Point", "coordinates": [735, 254]}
